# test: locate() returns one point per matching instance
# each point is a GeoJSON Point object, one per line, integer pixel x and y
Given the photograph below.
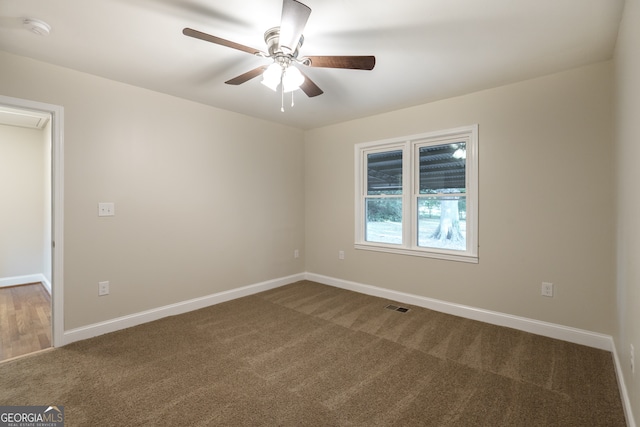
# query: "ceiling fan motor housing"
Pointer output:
{"type": "Point", "coordinates": [272, 39]}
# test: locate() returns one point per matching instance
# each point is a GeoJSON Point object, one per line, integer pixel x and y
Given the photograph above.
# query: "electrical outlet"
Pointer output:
{"type": "Point", "coordinates": [296, 253]}
{"type": "Point", "coordinates": [547, 289]}
{"type": "Point", "coordinates": [103, 288]}
{"type": "Point", "coordinates": [340, 254]}
{"type": "Point", "coordinates": [632, 359]}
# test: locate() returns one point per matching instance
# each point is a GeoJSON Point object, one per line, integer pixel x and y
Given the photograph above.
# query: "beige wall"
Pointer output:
{"type": "Point", "coordinates": [546, 208]}
{"type": "Point", "coordinates": [206, 200]}
{"type": "Point", "coordinates": [627, 108]}
{"type": "Point", "coordinates": [22, 197]}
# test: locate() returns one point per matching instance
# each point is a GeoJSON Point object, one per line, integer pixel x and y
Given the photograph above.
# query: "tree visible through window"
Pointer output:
{"type": "Point", "coordinates": [419, 196]}
{"type": "Point", "coordinates": [443, 194]}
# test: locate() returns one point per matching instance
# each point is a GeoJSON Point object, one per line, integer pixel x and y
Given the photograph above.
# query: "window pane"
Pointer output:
{"type": "Point", "coordinates": [384, 172]}
{"type": "Point", "coordinates": [442, 222]}
{"type": "Point", "coordinates": [384, 220]}
{"type": "Point", "coordinates": [443, 168]}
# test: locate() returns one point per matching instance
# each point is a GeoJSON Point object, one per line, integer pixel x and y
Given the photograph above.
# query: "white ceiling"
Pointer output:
{"type": "Point", "coordinates": [425, 49]}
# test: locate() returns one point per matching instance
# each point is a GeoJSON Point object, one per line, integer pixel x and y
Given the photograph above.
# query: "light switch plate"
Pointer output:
{"type": "Point", "coordinates": [106, 209]}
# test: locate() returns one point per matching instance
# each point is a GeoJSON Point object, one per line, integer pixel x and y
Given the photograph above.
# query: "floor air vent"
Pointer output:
{"type": "Point", "coordinates": [396, 308]}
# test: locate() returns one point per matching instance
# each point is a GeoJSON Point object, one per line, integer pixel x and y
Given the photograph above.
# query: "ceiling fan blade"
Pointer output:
{"type": "Point", "coordinates": [294, 18]}
{"type": "Point", "coordinates": [217, 40]}
{"type": "Point", "coordinates": [247, 76]}
{"type": "Point", "coordinates": [350, 62]}
{"type": "Point", "coordinates": [309, 87]}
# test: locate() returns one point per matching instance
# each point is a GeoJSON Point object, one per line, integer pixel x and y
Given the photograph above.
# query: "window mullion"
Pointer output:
{"type": "Point", "coordinates": [407, 196]}
{"type": "Point", "coordinates": [360, 185]}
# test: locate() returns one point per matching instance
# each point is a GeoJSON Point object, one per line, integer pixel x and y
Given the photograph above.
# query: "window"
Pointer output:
{"type": "Point", "coordinates": [418, 195]}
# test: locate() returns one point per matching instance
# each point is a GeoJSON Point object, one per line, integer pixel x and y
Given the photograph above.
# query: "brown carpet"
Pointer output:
{"type": "Point", "coordinates": [310, 354]}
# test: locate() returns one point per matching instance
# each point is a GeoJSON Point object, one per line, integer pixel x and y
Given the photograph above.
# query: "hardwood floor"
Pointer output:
{"type": "Point", "coordinates": [25, 320]}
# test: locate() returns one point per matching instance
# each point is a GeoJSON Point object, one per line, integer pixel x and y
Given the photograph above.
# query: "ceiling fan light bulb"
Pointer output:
{"type": "Point", "coordinates": [292, 79]}
{"type": "Point", "coordinates": [272, 76]}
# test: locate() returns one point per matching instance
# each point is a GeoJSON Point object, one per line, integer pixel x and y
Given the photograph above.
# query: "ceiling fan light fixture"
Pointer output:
{"type": "Point", "coordinates": [279, 74]}
{"type": "Point", "coordinates": [272, 76]}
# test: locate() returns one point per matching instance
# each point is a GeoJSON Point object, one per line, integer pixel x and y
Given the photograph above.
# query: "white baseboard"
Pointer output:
{"type": "Point", "coordinates": [46, 283]}
{"type": "Point", "coordinates": [135, 319]}
{"type": "Point", "coordinates": [552, 330]}
{"type": "Point", "coordinates": [626, 402]}
{"type": "Point", "coordinates": [23, 280]}
{"type": "Point", "coordinates": [565, 333]}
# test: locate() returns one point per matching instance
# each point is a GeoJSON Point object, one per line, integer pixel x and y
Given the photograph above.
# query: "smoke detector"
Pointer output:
{"type": "Point", "coordinates": [36, 26]}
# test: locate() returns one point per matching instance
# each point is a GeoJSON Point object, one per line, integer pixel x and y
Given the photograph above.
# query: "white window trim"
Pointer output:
{"type": "Point", "coordinates": [408, 145]}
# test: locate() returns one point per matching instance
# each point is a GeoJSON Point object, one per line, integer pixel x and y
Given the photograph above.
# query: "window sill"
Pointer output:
{"type": "Point", "coordinates": [444, 255]}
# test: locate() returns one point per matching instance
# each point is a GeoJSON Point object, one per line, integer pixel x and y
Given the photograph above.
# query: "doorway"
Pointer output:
{"type": "Point", "coordinates": [31, 248]}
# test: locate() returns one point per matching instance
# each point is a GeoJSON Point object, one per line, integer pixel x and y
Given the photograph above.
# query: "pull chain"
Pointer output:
{"type": "Point", "coordinates": [281, 97]}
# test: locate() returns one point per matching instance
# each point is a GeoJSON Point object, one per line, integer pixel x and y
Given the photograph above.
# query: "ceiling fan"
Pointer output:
{"type": "Point", "coordinates": [283, 45]}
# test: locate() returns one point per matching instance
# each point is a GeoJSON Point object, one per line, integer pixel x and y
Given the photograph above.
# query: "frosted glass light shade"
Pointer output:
{"type": "Point", "coordinates": [272, 76]}
{"type": "Point", "coordinates": [292, 79]}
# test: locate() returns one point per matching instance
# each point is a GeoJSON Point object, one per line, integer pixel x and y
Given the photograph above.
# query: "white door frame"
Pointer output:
{"type": "Point", "coordinates": [57, 214]}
